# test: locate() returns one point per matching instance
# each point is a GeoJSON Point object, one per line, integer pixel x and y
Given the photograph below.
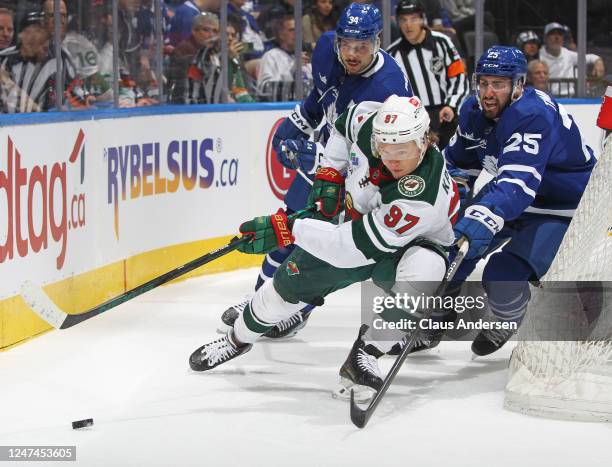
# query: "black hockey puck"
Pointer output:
{"type": "Point", "coordinates": [82, 423]}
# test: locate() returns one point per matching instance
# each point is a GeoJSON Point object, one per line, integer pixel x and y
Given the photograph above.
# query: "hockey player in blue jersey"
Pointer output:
{"type": "Point", "coordinates": [348, 67]}
{"type": "Point", "coordinates": [539, 165]}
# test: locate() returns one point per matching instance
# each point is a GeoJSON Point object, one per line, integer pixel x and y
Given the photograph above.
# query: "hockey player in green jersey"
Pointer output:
{"type": "Point", "coordinates": [400, 203]}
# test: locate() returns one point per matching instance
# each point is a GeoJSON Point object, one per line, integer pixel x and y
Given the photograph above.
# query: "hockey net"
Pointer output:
{"type": "Point", "coordinates": [562, 364]}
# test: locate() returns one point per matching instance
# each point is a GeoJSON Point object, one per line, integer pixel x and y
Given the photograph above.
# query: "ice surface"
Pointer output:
{"type": "Point", "coordinates": [127, 369]}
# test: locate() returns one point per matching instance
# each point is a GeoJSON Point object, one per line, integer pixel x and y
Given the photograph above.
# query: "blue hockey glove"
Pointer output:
{"type": "Point", "coordinates": [294, 126]}
{"type": "Point", "coordinates": [463, 181]}
{"type": "Point", "coordinates": [480, 224]}
{"type": "Point", "coordinates": [304, 152]}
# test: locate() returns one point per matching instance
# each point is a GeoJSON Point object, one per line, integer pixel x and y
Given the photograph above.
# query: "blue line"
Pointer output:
{"type": "Point", "coordinates": [7, 120]}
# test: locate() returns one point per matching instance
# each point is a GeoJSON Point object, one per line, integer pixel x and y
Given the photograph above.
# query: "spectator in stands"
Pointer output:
{"type": "Point", "coordinates": [434, 67]}
{"type": "Point", "coordinates": [86, 60]}
{"type": "Point", "coordinates": [270, 13]}
{"type": "Point", "coordinates": [75, 92]}
{"type": "Point", "coordinates": [6, 28]}
{"type": "Point", "coordinates": [537, 75]}
{"type": "Point", "coordinates": [560, 60]}
{"type": "Point", "coordinates": [180, 25]}
{"type": "Point", "coordinates": [204, 84]}
{"type": "Point", "coordinates": [204, 32]}
{"type": "Point", "coordinates": [251, 33]}
{"type": "Point", "coordinates": [462, 14]}
{"type": "Point", "coordinates": [529, 43]}
{"type": "Point", "coordinates": [322, 17]}
{"type": "Point", "coordinates": [21, 69]}
{"type": "Point", "coordinates": [435, 20]}
{"type": "Point", "coordinates": [278, 63]}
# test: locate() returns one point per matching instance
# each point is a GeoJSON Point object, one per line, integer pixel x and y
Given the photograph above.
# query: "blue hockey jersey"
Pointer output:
{"type": "Point", "coordinates": [334, 90]}
{"type": "Point", "coordinates": [535, 152]}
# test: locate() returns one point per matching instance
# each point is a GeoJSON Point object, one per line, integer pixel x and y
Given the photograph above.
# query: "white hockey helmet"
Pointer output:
{"type": "Point", "coordinates": [400, 120]}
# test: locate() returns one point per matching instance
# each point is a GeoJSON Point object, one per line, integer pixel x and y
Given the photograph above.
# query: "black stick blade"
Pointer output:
{"type": "Point", "coordinates": [359, 417]}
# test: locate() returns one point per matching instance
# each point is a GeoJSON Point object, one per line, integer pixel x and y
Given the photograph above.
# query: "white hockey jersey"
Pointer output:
{"type": "Point", "coordinates": [386, 214]}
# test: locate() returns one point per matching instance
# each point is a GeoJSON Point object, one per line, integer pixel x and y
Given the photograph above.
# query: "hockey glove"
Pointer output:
{"type": "Point", "coordinates": [463, 181]}
{"type": "Point", "coordinates": [479, 225]}
{"type": "Point", "coordinates": [294, 126]}
{"type": "Point", "coordinates": [327, 190]}
{"type": "Point", "coordinates": [269, 233]}
{"type": "Point", "coordinates": [302, 151]}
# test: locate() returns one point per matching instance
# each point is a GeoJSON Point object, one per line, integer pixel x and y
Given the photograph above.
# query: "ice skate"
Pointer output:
{"type": "Point", "coordinates": [229, 316]}
{"type": "Point", "coordinates": [360, 372]}
{"type": "Point", "coordinates": [289, 327]}
{"type": "Point", "coordinates": [217, 352]}
{"type": "Point", "coordinates": [490, 340]}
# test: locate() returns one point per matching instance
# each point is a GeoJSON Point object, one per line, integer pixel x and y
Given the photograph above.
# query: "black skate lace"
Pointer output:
{"type": "Point", "coordinates": [420, 340]}
{"type": "Point", "coordinates": [242, 305]}
{"type": "Point", "coordinates": [294, 319]}
{"type": "Point", "coordinates": [367, 362]}
{"type": "Point", "coordinates": [497, 336]}
{"type": "Point", "coordinates": [218, 351]}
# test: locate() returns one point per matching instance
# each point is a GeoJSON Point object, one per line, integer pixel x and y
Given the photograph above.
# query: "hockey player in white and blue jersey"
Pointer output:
{"type": "Point", "coordinates": [348, 67]}
{"type": "Point", "coordinates": [539, 164]}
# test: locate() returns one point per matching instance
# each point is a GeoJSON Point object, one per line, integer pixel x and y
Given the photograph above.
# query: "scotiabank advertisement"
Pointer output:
{"type": "Point", "coordinates": [76, 196]}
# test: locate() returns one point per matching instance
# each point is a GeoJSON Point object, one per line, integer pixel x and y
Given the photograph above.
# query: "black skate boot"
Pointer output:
{"type": "Point", "coordinates": [360, 372]}
{"type": "Point", "coordinates": [490, 340]}
{"type": "Point", "coordinates": [230, 315]}
{"type": "Point", "coordinates": [217, 352]}
{"type": "Point", "coordinates": [427, 339]}
{"type": "Point", "coordinates": [423, 342]}
{"type": "Point", "coordinates": [290, 327]}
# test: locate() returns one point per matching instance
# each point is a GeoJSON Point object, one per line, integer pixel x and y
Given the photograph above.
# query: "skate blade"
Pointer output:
{"type": "Point", "coordinates": [363, 394]}
{"type": "Point", "coordinates": [224, 328]}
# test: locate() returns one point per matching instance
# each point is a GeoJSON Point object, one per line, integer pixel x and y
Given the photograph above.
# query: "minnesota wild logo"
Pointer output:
{"type": "Point", "coordinates": [292, 268]}
{"type": "Point", "coordinates": [411, 185]}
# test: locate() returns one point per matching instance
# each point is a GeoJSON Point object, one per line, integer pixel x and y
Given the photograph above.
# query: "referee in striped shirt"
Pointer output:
{"type": "Point", "coordinates": [433, 66]}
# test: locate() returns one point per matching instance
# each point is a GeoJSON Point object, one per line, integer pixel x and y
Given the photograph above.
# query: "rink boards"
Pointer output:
{"type": "Point", "coordinates": [93, 204]}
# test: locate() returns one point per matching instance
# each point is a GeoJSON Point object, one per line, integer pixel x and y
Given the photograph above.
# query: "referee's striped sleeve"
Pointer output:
{"type": "Point", "coordinates": [457, 87]}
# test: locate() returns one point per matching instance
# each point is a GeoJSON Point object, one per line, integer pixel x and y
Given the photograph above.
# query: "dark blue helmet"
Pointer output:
{"type": "Point", "coordinates": [359, 21]}
{"type": "Point", "coordinates": [504, 61]}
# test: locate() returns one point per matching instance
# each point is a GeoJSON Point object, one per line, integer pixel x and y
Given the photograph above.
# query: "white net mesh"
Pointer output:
{"type": "Point", "coordinates": [571, 376]}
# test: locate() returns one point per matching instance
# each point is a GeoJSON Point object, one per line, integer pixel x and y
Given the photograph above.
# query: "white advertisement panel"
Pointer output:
{"type": "Point", "coordinates": [76, 196]}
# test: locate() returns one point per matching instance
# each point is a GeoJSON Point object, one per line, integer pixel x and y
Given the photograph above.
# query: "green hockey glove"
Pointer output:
{"type": "Point", "coordinates": [327, 189]}
{"type": "Point", "coordinates": [269, 233]}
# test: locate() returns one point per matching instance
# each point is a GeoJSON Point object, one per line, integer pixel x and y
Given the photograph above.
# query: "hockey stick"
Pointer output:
{"type": "Point", "coordinates": [44, 307]}
{"type": "Point", "coordinates": [296, 165]}
{"type": "Point", "coordinates": [360, 416]}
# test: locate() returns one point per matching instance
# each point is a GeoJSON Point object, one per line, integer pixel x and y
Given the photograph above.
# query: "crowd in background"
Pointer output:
{"type": "Point", "coordinates": [261, 56]}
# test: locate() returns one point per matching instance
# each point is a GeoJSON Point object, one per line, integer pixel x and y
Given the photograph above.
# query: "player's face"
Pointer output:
{"type": "Point", "coordinates": [356, 55]}
{"type": "Point", "coordinates": [411, 26]}
{"type": "Point", "coordinates": [494, 92]}
{"type": "Point", "coordinates": [400, 159]}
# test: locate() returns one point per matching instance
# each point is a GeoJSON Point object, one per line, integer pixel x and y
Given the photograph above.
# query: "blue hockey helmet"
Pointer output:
{"type": "Point", "coordinates": [504, 61]}
{"type": "Point", "coordinates": [359, 21]}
